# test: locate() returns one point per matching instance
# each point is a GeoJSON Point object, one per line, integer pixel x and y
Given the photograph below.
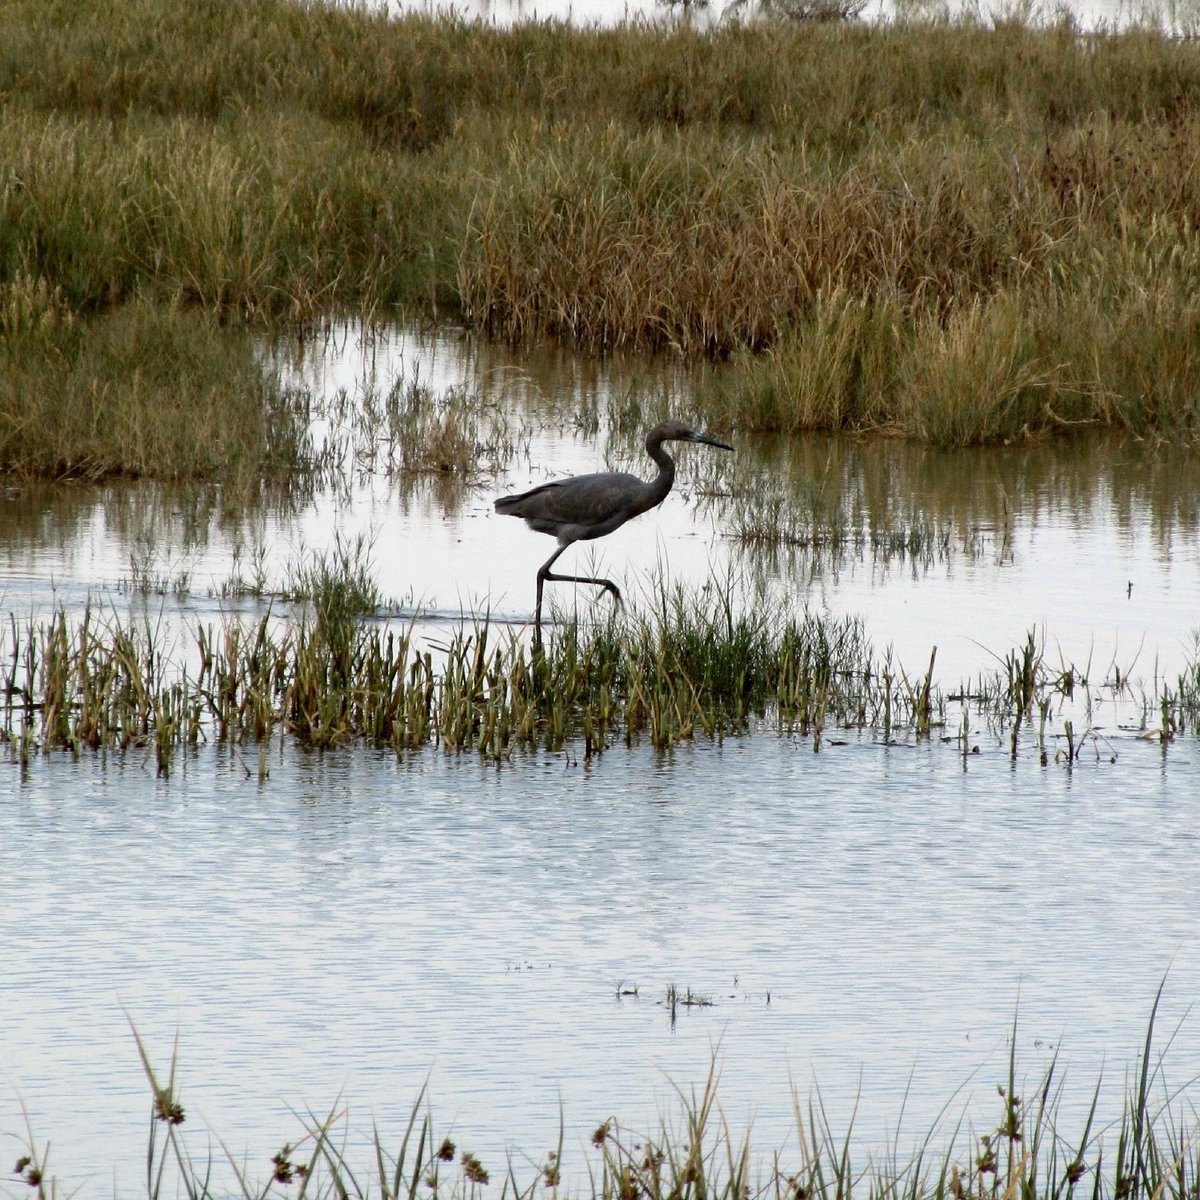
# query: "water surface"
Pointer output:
{"type": "Point", "coordinates": [357, 924]}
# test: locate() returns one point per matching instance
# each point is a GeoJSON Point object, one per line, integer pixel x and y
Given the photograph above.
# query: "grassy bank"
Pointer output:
{"type": "Point", "coordinates": [142, 389]}
{"type": "Point", "coordinates": [1146, 1150]}
{"type": "Point", "coordinates": [956, 232]}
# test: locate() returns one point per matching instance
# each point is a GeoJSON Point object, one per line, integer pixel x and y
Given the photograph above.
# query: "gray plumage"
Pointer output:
{"type": "Point", "coordinates": [590, 506]}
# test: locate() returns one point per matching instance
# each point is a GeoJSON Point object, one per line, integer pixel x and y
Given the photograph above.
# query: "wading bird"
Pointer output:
{"type": "Point", "coordinates": [589, 506]}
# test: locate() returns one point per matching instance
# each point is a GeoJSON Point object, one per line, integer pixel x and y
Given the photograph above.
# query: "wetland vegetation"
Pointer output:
{"type": "Point", "coordinates": [696, 663]}
{"type": "Point", "coordinates": [1144, 1151]}
{"type": "Point", "coordinates": [961, 231]}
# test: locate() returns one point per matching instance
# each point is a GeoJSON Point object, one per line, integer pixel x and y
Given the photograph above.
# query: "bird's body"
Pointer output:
{"type": "Point", "coordinates": [591, 506]}
{"type": "Point", "coordinates": [583, 507]}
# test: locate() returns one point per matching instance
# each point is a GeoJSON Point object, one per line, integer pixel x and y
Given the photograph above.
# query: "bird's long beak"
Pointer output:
{"type": "Point", "coordinates": [708, 441]}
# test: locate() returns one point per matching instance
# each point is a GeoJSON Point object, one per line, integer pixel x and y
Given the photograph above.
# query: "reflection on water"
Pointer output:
{"type": "Point", "coordinates": [358, 924]}
{"type": "Point", "coordinates": [882, 482]}
{"type": "Point", "coordinates": [1095, 542]}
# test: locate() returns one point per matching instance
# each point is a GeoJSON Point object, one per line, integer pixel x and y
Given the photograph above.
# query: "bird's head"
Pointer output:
{"type": "Point", "coordinates": [676, 431]}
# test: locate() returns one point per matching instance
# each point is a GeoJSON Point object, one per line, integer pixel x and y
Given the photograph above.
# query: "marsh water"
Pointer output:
{"type": "Point", "coordinates": [1089, 14]}
{"type": "Point", "coordinates": [866, 920]}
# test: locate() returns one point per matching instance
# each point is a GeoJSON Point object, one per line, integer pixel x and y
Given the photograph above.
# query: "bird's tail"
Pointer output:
{"type": "Point", "coordinates": [512, 506]}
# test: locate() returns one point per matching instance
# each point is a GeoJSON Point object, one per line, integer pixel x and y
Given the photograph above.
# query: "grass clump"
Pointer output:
{"type": "Point", "coordinates": [331, 677]}
{"type": "Point", "coordinates": [339, 584]}
{"type": "Point", "coordinates": [141, 390]}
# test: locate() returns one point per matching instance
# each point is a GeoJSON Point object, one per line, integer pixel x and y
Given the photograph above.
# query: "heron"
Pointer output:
{"type": "Point", "coordinates": [589, 506]}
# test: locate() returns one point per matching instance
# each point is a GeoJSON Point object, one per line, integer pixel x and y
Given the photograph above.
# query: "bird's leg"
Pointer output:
{"type": "Point", "coordinates": [604, 583]}
{"type": "Point", "coordinates": [537, 612]}
{"type": "Point", "coordinates": [544, 574]}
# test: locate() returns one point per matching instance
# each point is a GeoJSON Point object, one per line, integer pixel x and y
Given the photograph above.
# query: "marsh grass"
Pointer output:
{"type": "Point", "coordinates": [409, 428]}
{"type": "Point", "coordinates": [1145, 1151]}
{"type": "Point", "coordinates": [338, 584]}
{"type": "Point", "coordinates": [958, 289]}
{"type": "Point", "coordinates": [155, 573]}
{"type": "Point", "coordinates": [143, 390]}
{"type": "Point", "coordinates": [340, 671]}
{"type": "Point", "coordinates": [963, 231]}
{"type": "Point", "coordinates": [251, 576]}
{"type": "Point", "coordinates": [686, 999]}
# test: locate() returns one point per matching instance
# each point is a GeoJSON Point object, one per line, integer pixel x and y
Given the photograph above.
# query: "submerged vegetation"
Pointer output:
{"type": "Point", "coordinates": [963, 231]}
{"type": "Point", "coordinates": [1147, 1150]}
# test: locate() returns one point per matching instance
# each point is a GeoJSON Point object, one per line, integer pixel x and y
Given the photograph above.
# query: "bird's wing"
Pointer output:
{"type": "Point", "coordinates": [581, 500]}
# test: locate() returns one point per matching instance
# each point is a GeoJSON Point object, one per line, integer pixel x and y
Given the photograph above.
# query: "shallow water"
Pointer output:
{"type": "Point", "coordinates": [357, 924]}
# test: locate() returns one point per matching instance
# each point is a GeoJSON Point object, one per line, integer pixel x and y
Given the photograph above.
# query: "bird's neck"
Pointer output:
{"type": "Point", "coordinates": [666, 471]}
